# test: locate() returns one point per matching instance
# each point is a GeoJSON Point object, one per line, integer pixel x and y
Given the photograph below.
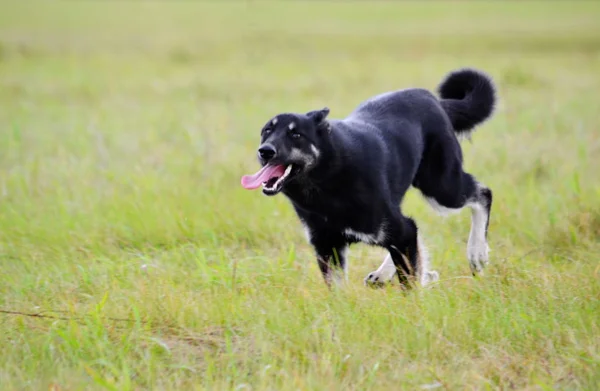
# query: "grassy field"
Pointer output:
{"type": "Point", "coordinates": [125, 129]}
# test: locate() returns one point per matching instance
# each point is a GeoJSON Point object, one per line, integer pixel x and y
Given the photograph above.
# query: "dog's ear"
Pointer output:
{"type": "Point", "coordinates": [318, 116]}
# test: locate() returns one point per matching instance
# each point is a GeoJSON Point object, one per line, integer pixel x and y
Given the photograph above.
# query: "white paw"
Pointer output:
{"type": "Point", "coordinates": [381, 276]}
{"type": "Point", "coordinates": [478, 255]}
{"type": "Point", "coordinates": [337, 278]}
{"type": "Point", "coordinates": [429, 277]}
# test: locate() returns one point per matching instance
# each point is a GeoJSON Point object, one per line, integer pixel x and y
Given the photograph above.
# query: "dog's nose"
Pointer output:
{"type": "Point", "coordinates": [267, 152]}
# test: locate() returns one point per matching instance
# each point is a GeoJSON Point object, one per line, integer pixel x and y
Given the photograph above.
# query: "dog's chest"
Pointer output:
{"type": "Point", "coordinates": [353, 235]}
{"type": "Point", "coordinates": [339, 212]}
{"type": "Point", "coordinates": [357, 222]}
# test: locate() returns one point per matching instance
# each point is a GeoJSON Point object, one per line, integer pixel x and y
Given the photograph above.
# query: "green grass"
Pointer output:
{"type": "Point", "coordinates": [125, 129]}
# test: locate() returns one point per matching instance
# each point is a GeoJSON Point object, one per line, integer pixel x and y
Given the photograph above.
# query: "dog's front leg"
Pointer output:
{"type": "Point", "coordinates": [333, 267]}
{"type": "Point", "coordinates": [331, 257]}
{"type": "Point", "coordinates": [383, 275]}
{"type": "Point", "coordinates": [403, 245]}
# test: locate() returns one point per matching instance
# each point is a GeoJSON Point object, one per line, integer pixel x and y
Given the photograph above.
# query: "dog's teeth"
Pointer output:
{"type": "Point", "coordinates": [288, 170]}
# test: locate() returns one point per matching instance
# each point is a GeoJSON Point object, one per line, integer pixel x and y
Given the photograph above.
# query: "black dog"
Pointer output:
{"type": "Point", "coordinates": [346, 178]}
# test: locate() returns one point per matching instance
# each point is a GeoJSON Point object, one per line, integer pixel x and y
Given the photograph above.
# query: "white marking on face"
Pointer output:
{"type": "Point", "coordinates": [298, 155]}
{"type": "Point", "coordinates": [315, 150]}
{"type": "Point", "coordinates": [292, 126]}
{"type": "Point", "coordinates": [274, 122]}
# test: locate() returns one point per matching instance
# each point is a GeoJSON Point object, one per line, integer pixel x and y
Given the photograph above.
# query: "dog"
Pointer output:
{"type": "Point", "coordinates": [346, 178]}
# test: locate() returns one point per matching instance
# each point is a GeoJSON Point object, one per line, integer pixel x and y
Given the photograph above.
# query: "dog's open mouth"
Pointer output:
{"type": "Point", "coordinates": [271, 177]}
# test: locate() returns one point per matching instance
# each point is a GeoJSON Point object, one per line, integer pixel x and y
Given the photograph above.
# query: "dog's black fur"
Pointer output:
{"type": "Point", "coordinates": [349, 176]}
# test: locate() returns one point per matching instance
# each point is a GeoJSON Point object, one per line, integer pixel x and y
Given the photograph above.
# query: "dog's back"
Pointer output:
{"type": "Point", "coordinates": [412, 127]}
{"type": "Point", "coordinates": [387, 135]}
{"type": "Point", "coordinates": [467, 98]}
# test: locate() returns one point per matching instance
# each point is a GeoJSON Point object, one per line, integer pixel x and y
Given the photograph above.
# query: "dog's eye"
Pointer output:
{"type": "Point", "coordinates": [295, 135]}
{"type": "Point", "coordinates": [266, 130]}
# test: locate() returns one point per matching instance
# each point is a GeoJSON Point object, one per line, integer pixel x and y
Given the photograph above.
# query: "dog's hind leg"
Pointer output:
{"type": "Point", "coordinates": [477, 246]}
{"type": "Point", "coordinates": [454, 192]}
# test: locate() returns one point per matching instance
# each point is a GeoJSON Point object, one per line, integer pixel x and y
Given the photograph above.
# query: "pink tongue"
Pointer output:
{"type": "Point", "coordinates": [265, 173]}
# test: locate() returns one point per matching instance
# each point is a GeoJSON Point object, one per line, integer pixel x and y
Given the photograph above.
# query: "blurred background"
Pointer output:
{"type": "Point", "coordinates": [133, 121]}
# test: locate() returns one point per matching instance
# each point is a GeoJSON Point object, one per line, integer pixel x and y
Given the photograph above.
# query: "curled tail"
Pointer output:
{"type": "Point", "coordinates": [468, 97]}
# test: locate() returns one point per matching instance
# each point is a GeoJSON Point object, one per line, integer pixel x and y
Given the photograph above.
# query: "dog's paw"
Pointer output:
{"type": "Point", "coordinates": [478, 255]}
{"type": "Point", "coordinates": [380, 277]}
{"type": "Point", "coordinates": [429, 277]}
{"type": "Point", "coordinates": [374, 281]}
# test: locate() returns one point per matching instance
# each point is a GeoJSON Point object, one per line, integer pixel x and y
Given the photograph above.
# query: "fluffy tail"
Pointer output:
{"type": "Point", "coordinates": [468, 96]}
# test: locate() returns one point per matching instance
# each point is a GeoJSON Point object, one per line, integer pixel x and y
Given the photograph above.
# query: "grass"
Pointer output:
{"type": "Point", "coordinates": [126, 126]}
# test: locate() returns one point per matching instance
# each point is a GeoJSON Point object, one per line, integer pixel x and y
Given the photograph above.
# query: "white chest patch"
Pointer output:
{"type": "Point", "coordinates": [366, 238]}
{"type": "Point", "coordinates": [307, 233]}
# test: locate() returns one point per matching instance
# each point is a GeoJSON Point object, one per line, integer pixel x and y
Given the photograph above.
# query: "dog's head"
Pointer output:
{"type": "Point", "coordinates": [289, 148]}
